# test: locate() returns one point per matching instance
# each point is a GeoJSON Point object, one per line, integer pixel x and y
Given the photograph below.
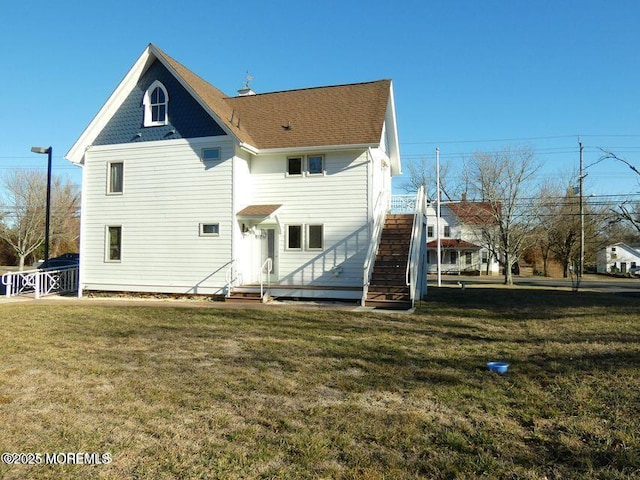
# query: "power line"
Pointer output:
{"type": "Point", "coordinates": [518, 139]}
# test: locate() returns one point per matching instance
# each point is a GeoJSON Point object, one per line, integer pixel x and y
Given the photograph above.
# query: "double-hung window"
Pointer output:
{"type": "Point", "coordinates": [294, 237]}
{"type": "Point", "coordinates": [115, 178]}
{"type": "Point", "coordinates": [315, 237]}
{"type": "Point", "coordinates": [114, 244]}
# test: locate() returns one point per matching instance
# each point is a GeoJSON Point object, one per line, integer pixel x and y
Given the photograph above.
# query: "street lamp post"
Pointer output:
{"type": "Point", "coordinates": [47, 225]}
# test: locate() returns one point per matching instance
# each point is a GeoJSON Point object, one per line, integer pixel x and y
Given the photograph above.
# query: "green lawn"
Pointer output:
{"type": "Point", "coordinates": [174, 392]}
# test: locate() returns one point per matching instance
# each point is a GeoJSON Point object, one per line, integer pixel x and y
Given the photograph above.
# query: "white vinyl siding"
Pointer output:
{"type": "Point", "coordinates": [337, 200]}
{"type": "Point", "coordinates": [170, 192]}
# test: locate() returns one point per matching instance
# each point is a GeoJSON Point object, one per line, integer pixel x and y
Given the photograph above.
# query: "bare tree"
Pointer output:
{"type": "Point", "coordinates": [24, 200]}
{"type": "Point", "coordinates": [423, 174]}
{"type": "Point", "coordinates": [504, 181]}
{"type": "Point", "coordinates": [626, 211]}
{"type": "Point", "coordinates": [547, 215]}
{"type": "Point", "coordinates": [630, 213]}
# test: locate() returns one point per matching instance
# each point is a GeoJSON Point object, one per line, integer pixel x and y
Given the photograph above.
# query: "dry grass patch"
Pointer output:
{"type": "Point", "coordinates": [206, 393]}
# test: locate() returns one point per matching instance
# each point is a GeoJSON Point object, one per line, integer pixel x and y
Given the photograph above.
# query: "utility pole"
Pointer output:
{"type": "Point", "coordinates": [438, 241]}
{"type": "Point", "coordinates": [581, 184]}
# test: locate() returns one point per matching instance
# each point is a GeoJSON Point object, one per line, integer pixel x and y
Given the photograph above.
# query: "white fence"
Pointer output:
{"type": "Point", "coordinates": [403, 203]}
{"type": "Point", "coordinates": [41, 282]}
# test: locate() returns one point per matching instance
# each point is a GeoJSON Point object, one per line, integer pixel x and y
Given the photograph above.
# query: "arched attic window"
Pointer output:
{"type": "Point", "coordinates": [156, 105]}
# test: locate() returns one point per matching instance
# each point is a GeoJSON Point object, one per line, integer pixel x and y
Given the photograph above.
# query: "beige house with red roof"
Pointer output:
{"type": "Point", "coordinates": [463, 248]}
{"type": "Point", "coordinates": [187, 190]}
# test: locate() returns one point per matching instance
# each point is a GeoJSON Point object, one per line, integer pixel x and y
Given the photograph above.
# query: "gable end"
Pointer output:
{"type": "Point", "coordinates": [186, 118]}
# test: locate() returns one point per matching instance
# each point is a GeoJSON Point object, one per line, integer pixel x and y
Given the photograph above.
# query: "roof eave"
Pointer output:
{"type": "Point", "coordinates": [306, 149]}
{"type": "Point", "coordinates": [100, 120]}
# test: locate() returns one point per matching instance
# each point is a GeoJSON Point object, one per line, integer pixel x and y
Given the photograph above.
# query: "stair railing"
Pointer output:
{"type": "Point", "coordinates": [414, 263]}
{"type": "Point", "coordinates": [231, 276]}
{"type": "Point", "coordinates": [379, 213]}
{"type": "Point", "coordinates": [267, 267]}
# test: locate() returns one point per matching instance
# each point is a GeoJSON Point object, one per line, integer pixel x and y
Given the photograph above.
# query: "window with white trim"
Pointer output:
{"type": "Point", "coordinates": [294, 237]}
{"type": "Point", "coordinates": [447, 231]}
{"type": "Point", "coordinates": [294, 166]}
{"type": "Point", "coordinates": [156, 105]}
{"type": "Point", "coordinates": [209, 229]}
{"type": "Point", "coordinates": [210, 154]}
{"type": "Point", "coordinates": [114, 243]}
{"type": "Point", "coordinates": [299, 166]}
{"type": "Point", "coordinates": [315, 164]}
{"type": "Point", "coordinates": [115, 177]}
{"type": "Point", "coordinates": [315, 237]}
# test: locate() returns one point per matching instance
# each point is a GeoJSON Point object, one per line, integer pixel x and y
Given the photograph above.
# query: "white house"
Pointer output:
{"type": "Point", "coordinates": [187, 190]}
{"type": "Point", "coordinates": [462, 247]}
{"type": "Point", "coordinates": [617, 258]}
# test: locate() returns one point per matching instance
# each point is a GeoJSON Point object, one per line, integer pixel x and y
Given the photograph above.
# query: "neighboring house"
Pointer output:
{"type": "Point", "coordinates": [189, 191]}
{"type": "Point", "coordinates": [618, 258]}
{"type": "Point", "coordinates": [462, 247]}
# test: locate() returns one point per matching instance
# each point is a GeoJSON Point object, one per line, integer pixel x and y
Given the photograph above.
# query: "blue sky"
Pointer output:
{"type": "Point", "coordinates": [468, 75]}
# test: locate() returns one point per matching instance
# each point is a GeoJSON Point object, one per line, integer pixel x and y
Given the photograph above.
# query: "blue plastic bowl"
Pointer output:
{"type": "Point", "coordinates": [499, 367]}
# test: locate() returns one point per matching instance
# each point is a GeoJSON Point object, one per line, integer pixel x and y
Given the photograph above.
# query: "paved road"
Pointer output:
{"type": "Point", "coordinates": [599, 283]}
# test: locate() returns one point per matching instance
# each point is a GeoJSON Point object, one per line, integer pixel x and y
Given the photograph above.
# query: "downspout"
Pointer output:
{"type": "Point", "coordinates": [83, 212]}
{"type": "Point", "coordinates": [370, 225]}
{"type": "Point", "coordinates": [234, 223]}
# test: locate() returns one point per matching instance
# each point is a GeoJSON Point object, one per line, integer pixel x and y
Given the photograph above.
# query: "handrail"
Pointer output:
{"type": "Point", "coordinates": [379, 213]}
{"type": "Point", "coordinates": [413, 233]}
{"type": "Point", "coordinates": [268, 265]}
{"type": "Point", "coordinates": [413, 263]}
{"type": "Point", "coordinates": [230, 276]}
